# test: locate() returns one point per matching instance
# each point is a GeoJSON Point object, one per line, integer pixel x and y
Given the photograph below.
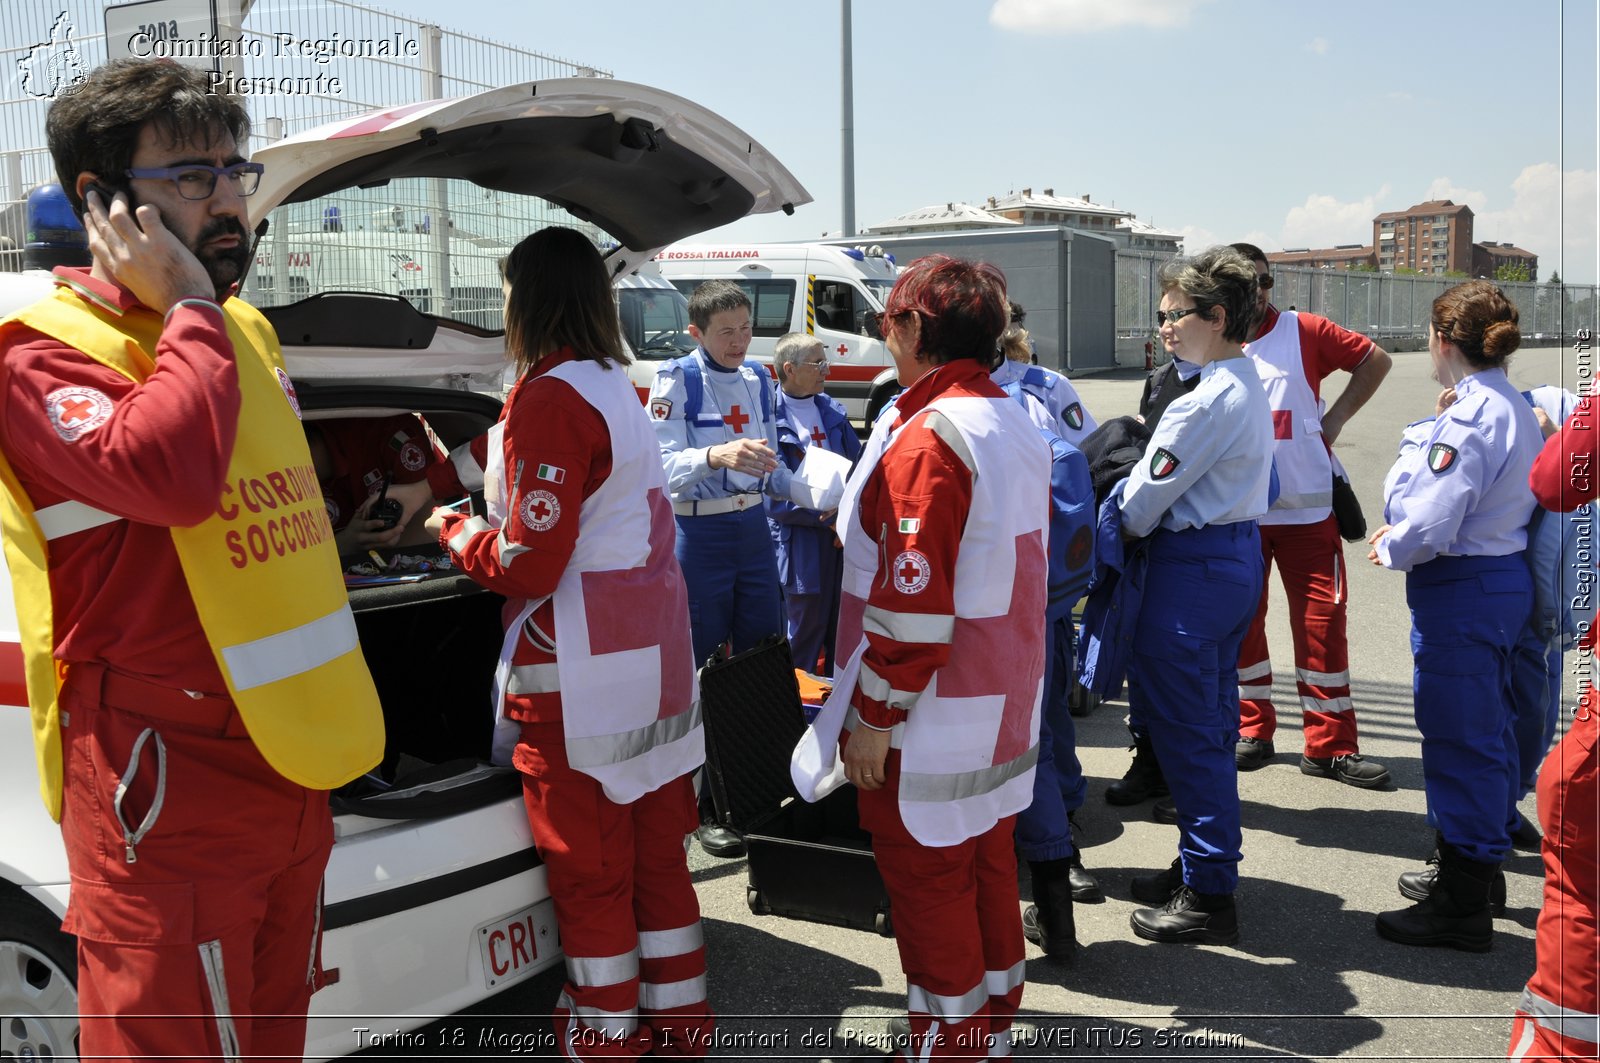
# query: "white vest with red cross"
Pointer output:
{"type": "Point", "coordinates": [624, 662]}
{"type": "Point", "coordinates": [1305, 471]}
{"type": "Point", "coordinates": [969, 744]}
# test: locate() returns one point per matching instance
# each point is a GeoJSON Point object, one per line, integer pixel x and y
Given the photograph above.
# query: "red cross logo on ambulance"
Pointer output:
{"type": "Point", "coordinates": [288, 391]}
{"type": "Point", "coordinates": [76, 411]}
{"type": "Point", "coordinates": [1440, 457]}
{"type": "Point", "coordinates": [540, 510]}
{"type": "Point", "coordinates": [911, 572]}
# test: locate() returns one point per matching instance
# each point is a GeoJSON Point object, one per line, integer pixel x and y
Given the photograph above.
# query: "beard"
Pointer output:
{"type": "Point", "coordinates": [225, 266]}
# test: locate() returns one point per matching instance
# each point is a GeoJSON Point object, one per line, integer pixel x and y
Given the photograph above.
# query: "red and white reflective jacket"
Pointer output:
{"type": "Point", "coordinates": [579, 537]}
{"type": "Point", "coordinates": [944, 525]}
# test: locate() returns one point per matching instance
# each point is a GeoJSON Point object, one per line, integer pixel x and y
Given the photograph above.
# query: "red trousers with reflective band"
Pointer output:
{"type": "Point", "coordinates": [1310, 558]}
{"type": "Point", "coordinates": [626, 907]}
{"type": "Point", "coordinates": [205, 943]}
{"type": "Point", "coordinates": [1559, 1015]}
{"type": "Point", "coordinates": [958, 926]}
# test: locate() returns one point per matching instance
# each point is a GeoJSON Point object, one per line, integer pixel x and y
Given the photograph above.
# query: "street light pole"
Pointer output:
{"type": "Point", "coordinates": [847, 133]}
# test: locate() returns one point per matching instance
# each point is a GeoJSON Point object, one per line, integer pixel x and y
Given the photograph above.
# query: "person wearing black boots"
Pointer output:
{"type": "Point", "coordinates": [1197, 495]}
{"type": "Point", "coordinates": [1456, 508]}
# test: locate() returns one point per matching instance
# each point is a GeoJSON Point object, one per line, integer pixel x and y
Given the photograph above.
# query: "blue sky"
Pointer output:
{"type": "Point", "coordinates": [1287, 123]}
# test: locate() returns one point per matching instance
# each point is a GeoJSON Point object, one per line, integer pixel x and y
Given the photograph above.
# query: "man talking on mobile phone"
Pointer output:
{"type": "Point", "coordinates": [196, 687]}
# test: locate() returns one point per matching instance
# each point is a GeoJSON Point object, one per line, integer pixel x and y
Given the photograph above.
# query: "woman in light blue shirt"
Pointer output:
{"type": "Point", "coordinates": [1456, 509]}
{"type": "Point", "coordinates": [1197, 494]}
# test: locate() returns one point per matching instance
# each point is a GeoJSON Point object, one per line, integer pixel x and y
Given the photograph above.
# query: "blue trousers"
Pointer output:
{"type": "Point", "coordinates": [1043, 832]}
{"type": "Point", "coordinates": [1202, 590]}
{"type": "Point", "coordinates": [1536, 702]}
{"type": "Point", "coordinates": [813, 618]}
{"type": "Point", "coordinates": [731, 575]}
{"type": "Point", "coordinates": [1467, 614]}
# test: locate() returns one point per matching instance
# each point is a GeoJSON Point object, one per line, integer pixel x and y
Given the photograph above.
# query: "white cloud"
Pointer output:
{"type": "Point", "coordinates": [1318, 45]}
{"type": "Point", "coordinates": [1323, 221]}
{"type": "Point", "coordinates": [1534, 221]}
{"type": "Point", "coordinates": [1090, 16]}
{"type": "Point", "coordinates": [1444, 188]}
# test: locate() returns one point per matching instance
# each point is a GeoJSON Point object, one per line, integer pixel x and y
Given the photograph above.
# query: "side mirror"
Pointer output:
{"type": "Point", "coordinates": [867, 324]}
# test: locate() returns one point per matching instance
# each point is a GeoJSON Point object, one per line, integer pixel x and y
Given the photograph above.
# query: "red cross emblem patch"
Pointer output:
{"type": "Point", "coordinates": [1163, 463]}
{"type": "Point", "coordinates": [1074, 416]}
{"type": "Point", "coordinates": [1440, 457]}
{"type": "Point", "coordinates": [911, 572]}
{"type": "Point", "coordinates": [661, 409]}
{"type": "Point", "coordinates": [540, 510]}
{"type": "Point", "coordinates": [76, 411]}
{"type": "Point", "coordinates": [412, 458]}
{"type": "Point", "coordinates": [288, 390]}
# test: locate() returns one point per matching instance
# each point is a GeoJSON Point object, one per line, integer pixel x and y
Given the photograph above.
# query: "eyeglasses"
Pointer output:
{"type": "Point", "coordinates": [198, 181]}
{"type": "Point", "coordinates": [1264, 281]}
{"type": "Point", "coordinates": [1174, 316]}
{"type": "Point", "coordinates": [820, 365]}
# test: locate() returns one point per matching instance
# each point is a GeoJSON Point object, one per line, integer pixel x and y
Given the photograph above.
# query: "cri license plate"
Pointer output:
{"type": "Point", "coordinates": [518, 944]}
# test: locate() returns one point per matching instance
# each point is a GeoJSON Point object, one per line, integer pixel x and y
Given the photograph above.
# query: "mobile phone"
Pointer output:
{"type": "Point", "coordinates": [386, 509]}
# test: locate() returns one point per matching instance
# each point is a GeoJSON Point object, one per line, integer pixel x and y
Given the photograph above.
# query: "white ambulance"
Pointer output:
{"type": "Point", "coordinates": [435, 895]}
{"type": "Point", "coordinates": [833, 293]}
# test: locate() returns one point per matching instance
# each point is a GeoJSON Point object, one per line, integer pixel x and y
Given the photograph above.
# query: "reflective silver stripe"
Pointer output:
{"type": "Point", "coordinates": [603, 970]}
{"type": "Point", "coordinates": [1256, 693]}
{"type": "Point", "coordinates": [945, 429]}
{"type": "Point", "coordinates": [957, 786]}
{"type": "Point", "coordinates": [1255, 671]}
{"type": "Point", "coordinates": [952, 1011]}
{"type": "Point", "coordinates": [613, 1024]}
{"type": "Point", "coordinates": [1524, 1041]}
{"type": "Point", "coordinates": [534, 679]}
{"type": "Point", "coordinates": [1323, 679]}
{"type": "Point", "coordinates": [877, 688]}
{"type": "Point", "coordinates": [468, 471]}
{"type": "Point", "coordinates": [999, 983]}
{"type": "Point", "coordinates": [615, 749]}
{"type": "Point", "coordinates": [1578, 1025]}
{"type": "Point", "coordinates": [1314, 500]}
{"type": "Point", "coordinates": [469, 527]}
{"type": "Point", "coordinates": [661, 996]}
{"type": "Point", "coordinates": [656, 944]}
{"type": "Point", "coordinates": [1330, 705]}
{"type": "Point", "coordinates": [131, 838]}
{"type": "Point", "coordinates": [69, 518]}
{"type": "Point", "coordinates": [217, 983]}
{"type": "Point", "coordinates": [508, 550]}
{"type": "Point", "coordinates": [931, 628]}
{"type": "Point", "coordinates": [316, 939]}
{"type": "Point", "coordinates": [710, 507]}
{"type": "Point", "coordinates": [292, 652]}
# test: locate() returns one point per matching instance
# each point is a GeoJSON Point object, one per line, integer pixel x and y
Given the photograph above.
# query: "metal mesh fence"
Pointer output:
{"type": "Point", "coordinates": [303, 65]}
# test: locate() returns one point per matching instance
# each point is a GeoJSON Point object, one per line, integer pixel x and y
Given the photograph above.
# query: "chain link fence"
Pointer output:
{"type": "Point", "coordinates": [1392, 309]}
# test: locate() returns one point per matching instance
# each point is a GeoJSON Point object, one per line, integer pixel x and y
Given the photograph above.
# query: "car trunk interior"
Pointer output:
{"type": "Point", "coordinates": [430, 645]}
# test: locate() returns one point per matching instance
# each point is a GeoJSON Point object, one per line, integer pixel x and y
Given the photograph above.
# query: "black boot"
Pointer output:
{"type": "Point", "coordinates": [1416, 885]}
{"type": "Point", "coordinates": [1190, 918]}
{"type": "Point", "coordinates": [1158, 888]}
{"type": "Point", "coordinates": [1085, 888]}
{"type": "Point", "coordinates": [1455, 913]}
{"type": "Point", "coordinates": [1047, 922]}
{"type": "Point", "coordinates": [1144, 779]}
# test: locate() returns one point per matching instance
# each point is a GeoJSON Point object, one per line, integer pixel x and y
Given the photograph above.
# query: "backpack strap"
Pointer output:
{"type": "Point", "coordinates": [694, 386]}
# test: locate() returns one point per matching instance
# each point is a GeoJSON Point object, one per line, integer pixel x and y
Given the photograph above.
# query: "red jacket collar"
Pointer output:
{"type": "Point", "coordinates": [963, 375]}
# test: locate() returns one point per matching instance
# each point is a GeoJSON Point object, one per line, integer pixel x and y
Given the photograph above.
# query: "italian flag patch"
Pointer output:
{"type": "Point", "coordinates": [1162, 464]}
{"type": "Point", "coordinates": [553, 473]}
{"type": "Point", "coordinates": [1441, 456]}
{"type": "Point", "coordinates": [909, 525]}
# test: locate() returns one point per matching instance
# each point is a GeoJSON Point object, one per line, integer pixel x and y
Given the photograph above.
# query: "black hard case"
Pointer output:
{"type": "Point", "coordinates": [806, 861]}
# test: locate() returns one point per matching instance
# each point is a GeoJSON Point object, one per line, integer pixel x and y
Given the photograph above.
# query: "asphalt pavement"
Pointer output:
{"type": "Point", "coordinates": [1308, 978]}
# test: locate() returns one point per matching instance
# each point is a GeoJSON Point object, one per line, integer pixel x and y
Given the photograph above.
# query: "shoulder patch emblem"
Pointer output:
{"type": "Point", "coordinates": [911, 572]}
{"type": "Point", "coordinates": [1073, 415]}
{"type": "Point", "coordinates": [661, 409]}
{"type": "Point", "coordinates": [1441, 456]}
{"type": "Point", "coordinates": [333, 510]}
{"type": "Point", "coordinates": [540, 510]}
{"type": "Point", "coordinates": [288, 390]}
{"type": "Point", "coordinates": [412, 458]}
{"type": "Point", "coordinates": [76, 411]}
{"type": "Point", "coordinates": [1163, 463]}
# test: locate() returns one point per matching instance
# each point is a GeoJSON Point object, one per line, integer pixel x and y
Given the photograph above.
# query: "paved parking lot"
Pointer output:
{"type": "Point", "coordinates": [1308, 979]}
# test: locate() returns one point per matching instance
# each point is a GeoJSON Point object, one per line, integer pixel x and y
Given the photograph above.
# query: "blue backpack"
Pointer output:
{"type": "Point", "coordinates": [1561, 557]}
{"type": "Point", "coordinates": [1072, 520]}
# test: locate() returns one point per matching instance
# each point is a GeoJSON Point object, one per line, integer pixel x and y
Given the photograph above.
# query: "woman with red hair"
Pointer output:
{"type": "Point", "coordinates": [942, 623]}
